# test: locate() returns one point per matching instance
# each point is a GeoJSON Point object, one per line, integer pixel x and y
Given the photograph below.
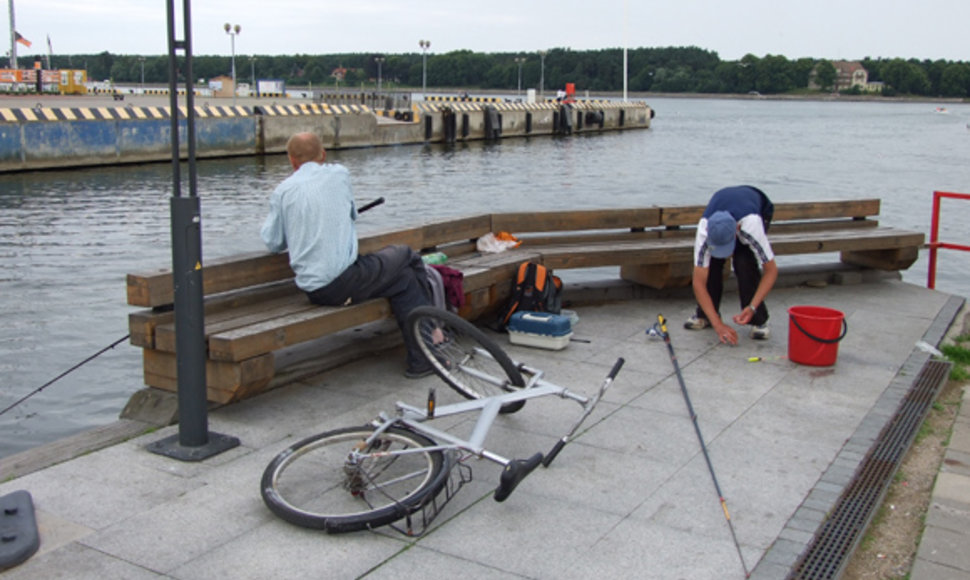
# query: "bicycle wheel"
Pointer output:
{"type": "Point", "coordinates": [318, 483]}
{"type": "Point", "coordinates": [466, 359]}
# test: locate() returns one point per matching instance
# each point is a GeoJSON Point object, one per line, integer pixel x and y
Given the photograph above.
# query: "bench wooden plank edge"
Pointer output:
{"type": "Point", "coordinates": [784, 211]}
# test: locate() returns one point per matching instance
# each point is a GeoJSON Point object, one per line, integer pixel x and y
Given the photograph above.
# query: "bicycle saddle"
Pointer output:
{"type": "Point", "coordinates": [514, 473]}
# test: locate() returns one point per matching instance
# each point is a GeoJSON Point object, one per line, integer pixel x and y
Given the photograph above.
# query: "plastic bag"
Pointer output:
{"type": "Point", "coordinates": [494, 243]}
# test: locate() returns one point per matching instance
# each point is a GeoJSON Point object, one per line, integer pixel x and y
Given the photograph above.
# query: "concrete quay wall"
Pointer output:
{"type": "Point", "coordinates": [54, 137]}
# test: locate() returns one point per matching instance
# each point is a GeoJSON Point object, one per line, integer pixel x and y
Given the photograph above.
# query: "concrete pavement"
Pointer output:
{"type": "Point", "coordinates": [943, 553]}
{"type": "Point", "coordinates": [631, 497]}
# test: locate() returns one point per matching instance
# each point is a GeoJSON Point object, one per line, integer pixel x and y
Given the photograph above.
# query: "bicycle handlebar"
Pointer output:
{"type": "Point", "coordinates": [616, 368]}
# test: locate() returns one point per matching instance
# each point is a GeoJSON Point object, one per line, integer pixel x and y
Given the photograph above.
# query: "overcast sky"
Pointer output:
{"type": "Point", "coordinates": [833, 29]}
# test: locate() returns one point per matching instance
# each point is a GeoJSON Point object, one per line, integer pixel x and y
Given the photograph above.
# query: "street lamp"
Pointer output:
{"type": "Point", "coordinates": [252, 69]}
{"type": "Point", "coordinates": [425, 45]}
{"type": "Point", "coordinates": [519, 61]}
{"type": "Point", "coordinates": [542, 71]}
{"type": "Point", "coordinates": [141, 59]}
{"type": "Point", "coordinates": [233, 31]}
{"type": "Point", "coordinates": [379, 60]}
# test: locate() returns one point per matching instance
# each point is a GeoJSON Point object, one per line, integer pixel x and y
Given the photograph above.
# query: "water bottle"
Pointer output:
{"type": "Point", "coordinates": [435, 258]}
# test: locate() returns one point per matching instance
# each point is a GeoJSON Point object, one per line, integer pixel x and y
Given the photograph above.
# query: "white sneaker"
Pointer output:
{"type": "Point", "coordinates": [696, 322]}
{"type": "Point", "coordinates": [760, 332]}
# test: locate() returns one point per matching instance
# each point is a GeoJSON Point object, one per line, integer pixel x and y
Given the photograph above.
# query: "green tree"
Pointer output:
{"type": "Point", "coordinates": [906, 77]}
{"type": "Point", "coordinates": [825, 74]}
{"type": "Point", "coordinates": [955, 80]}
{"type": "Point", "coordinates": [774, 75]}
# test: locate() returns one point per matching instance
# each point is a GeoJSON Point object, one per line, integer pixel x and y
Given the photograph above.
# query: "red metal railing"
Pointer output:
{"type": "Point", "coordinates": [935, 243]}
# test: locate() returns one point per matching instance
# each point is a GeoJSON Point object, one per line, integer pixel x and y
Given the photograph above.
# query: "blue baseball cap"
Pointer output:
{"type": "Point", "coordinates": [721, 234]}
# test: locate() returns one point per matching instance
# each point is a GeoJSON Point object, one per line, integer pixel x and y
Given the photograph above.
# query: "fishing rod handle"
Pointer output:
{"type": "Point", "coordinates": [370, 205]}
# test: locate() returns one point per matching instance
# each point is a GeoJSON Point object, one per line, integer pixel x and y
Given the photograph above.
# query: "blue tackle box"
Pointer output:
{"type": "Point", "coordinates": [540, 329]}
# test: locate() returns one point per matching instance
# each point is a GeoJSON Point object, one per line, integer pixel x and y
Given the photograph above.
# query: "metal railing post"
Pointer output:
{"type": "Point", "coordinates": [935, 243]}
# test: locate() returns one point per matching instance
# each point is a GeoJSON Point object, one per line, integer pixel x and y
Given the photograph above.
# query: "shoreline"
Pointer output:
{"type": "Point", "coordinates": [31, 100]}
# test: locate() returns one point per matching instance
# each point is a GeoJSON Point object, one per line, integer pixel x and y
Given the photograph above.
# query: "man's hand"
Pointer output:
{"type": "Point", "coordinates": [726, 334]}
{"type": "Point", "coordinates": [744, 318]}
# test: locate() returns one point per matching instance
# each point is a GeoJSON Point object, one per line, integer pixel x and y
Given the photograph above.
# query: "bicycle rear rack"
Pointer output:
{"type": "Point", "coordinates": [418, 522]}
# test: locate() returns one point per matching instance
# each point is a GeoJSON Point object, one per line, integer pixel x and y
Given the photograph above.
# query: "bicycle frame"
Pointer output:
{"type": "Point", "coordinates": [416, 419]}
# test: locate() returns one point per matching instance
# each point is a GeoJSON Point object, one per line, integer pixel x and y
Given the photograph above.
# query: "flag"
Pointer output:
{"type": "Point", "coordinates": [21, 39]}
{"type": "Point", "coordinates": [50, 49]}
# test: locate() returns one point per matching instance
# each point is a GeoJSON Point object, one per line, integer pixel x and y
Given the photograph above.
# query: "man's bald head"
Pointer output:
{"type": "Point", "coordinates": [303, 148]}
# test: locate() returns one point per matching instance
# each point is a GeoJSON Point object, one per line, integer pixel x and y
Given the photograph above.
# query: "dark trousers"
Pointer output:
{"type": "Point", "coordinates": [396, 273]}
{"type": "Point", "coordinates": [748, 273]}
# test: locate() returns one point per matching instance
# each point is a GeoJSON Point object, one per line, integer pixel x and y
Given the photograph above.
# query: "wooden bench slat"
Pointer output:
{"type": "Point", "coordinates": [155, 289]}
{"type": "Point", "coordinates": [142, 324]}
{"type": "Point", "coordinates": [223, 321]}
{"type": "Point", "coordinates": [244, 342]}
{"type": "Point", "coordinates": [601, 219]}
{"type": "Point", "coordinates": [455, 231]}
{"type": "Point", "coordinates": [797, 210]}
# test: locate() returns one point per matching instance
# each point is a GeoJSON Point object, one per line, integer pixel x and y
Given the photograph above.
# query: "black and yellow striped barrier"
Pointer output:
{"type": "Point", "coordinates": [463, 99]}
{"type": "Point", "coordinates": [310, 109]}
{"type": "Point", "coordinates": [129, 113]}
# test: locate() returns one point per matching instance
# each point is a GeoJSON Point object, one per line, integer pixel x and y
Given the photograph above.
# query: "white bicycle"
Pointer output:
{"type": "Point", "coordinates": [359, 478]}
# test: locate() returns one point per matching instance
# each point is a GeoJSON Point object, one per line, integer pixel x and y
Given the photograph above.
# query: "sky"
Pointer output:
{"type": "Point", "coordinates": [831, 29]}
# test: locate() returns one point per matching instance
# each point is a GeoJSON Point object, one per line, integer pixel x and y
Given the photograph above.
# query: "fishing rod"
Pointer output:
{"type": "Point", "coordinates": [65, 373]}
{"type": "Point", "coordinates": [661, 328]}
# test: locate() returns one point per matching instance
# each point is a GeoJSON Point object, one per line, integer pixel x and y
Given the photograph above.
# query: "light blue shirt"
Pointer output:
{"type": "Point", "coordinates": [311, 214]}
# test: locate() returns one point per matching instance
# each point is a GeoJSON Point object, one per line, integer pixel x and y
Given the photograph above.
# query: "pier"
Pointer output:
{"type": "Point", "coordinates": [629, 498]}
{"type": "Point", "coordinates": [41, 132]}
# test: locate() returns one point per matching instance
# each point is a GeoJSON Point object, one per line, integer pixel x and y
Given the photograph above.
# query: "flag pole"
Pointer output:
{"type": "Point", "coordinates": [13, 38]}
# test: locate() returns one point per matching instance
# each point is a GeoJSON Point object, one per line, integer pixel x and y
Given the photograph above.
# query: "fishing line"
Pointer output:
{"type": "Point", "coordinates": [67, 372]}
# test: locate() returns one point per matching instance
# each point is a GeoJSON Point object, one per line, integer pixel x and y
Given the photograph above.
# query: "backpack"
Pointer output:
{"type": "Point", "coordinates": [534, 289]}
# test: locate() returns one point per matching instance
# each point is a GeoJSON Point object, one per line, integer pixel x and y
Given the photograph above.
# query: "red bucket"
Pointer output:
{"type": "Point", "coordinates": [814, 333]}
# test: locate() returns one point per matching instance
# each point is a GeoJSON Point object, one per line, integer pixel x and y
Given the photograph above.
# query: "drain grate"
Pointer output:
{"type": "Point", "coordinates": [840, 533]}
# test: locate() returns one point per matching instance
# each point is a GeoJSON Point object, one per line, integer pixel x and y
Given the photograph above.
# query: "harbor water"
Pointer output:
{"type": "Point", "coordinates": [67, 238]}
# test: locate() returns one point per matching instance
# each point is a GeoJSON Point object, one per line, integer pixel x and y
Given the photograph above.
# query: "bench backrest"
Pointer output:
{"type": "Point", "coordinates": [457, 237]}
{"type": "Point", "coordinates": [852, 209]}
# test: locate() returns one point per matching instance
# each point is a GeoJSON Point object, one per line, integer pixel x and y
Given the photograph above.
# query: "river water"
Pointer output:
{"type": "Point", "coordinates": [68, 238]}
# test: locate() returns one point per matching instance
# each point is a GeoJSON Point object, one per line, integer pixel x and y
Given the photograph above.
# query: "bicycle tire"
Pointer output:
{"type": "Point", "coordinates": [461, 353]}
{"type": "Point", "coordinates": [311, 484]}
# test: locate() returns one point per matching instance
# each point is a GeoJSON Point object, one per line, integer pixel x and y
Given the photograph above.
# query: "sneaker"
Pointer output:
{"type": "Point", "coordinates": [760, 332]}
{"type": "Point", "coordinates": [418, 373]}
{"type": "Point", "coordinates": [696, 322]}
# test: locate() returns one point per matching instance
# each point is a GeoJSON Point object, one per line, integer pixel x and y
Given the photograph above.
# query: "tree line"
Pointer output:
{"type": "Point", "coordinates": [669, 70]}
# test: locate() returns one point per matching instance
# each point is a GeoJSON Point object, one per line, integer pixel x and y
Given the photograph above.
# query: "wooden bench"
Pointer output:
{"type": "Point", "coordinates": [254, 310]}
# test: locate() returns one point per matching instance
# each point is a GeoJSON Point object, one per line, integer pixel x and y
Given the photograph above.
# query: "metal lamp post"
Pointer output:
{"type": "Point", "coordinates": [542, 71]}
{"type": "Point", "coordinates": [233, 31]}
{"type": "Point", "coordinates": [252, 71]}
{"type": "Point", "coordinates": [519, 61]}
{"type": "Point", "coordinates": [141, 60]}
{"type": "Point", "coordinates": [425, 45]}
{"type": "Point", "coordinates": [379, 60]}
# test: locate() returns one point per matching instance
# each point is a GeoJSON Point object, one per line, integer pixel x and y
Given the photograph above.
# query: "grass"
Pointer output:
{"type": "Point", "coordinates": [959, 355]}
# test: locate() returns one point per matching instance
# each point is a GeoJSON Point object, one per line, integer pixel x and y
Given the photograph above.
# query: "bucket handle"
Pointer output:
{"type": "Point", "coordinates": [845, 329]}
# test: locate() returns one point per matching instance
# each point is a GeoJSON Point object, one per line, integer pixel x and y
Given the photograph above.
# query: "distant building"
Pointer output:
{"type": "Point", "coordinates": [849, 73]}
{"type": "Point", "coordinates": [222, 86]}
